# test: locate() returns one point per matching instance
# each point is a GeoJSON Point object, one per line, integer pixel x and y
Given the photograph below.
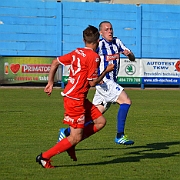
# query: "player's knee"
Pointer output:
{"type": "Point", "coordinates": [129, 101]}
{"type": "Point", "coordinates": [102, 122]}
{"type": "Point", "coordinates": [78, 139]}
{"type": "Point", "coordinates": [124, 100]}
{"type": "Point", "coordinates": [74, 139]}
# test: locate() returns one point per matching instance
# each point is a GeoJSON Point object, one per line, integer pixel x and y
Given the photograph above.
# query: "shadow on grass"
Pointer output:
{"type": "Point", "coordinates": [148, 151]}
{"type": "Point", "coordinates": [10, 111]}
{"type": "Point", "coordinates": [156, 146]}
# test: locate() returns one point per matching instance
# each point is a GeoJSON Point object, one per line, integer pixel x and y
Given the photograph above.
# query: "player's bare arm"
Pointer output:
{"type": "Point", "coordinates": [49, 87]}
{"type": "Point", "coordinates": [129, 54]}
{"type": "Point", "coordinates": [94, 82]}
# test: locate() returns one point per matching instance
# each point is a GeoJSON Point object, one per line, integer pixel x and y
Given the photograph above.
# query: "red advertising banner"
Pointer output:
{"type": "Point", "coordinates": [24, 69]}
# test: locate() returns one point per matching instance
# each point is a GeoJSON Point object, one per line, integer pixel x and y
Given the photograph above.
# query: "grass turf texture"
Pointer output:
{"type": "Point", "coordinates": [30, 121]}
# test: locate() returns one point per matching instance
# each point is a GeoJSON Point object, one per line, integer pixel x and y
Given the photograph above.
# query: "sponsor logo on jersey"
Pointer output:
{"type": "Point", "coordinates": [71, 80]}
{"type": "Point", "coordinates": [97, 60]}
{"type": "Point", "coordinates": [68, 119]}
{"type": "Point", "coordinates": [81, 52]}
{"type": "Point", "coordinates": [112, 57]}
{"type": "Point", "coordinates": [81, 120]}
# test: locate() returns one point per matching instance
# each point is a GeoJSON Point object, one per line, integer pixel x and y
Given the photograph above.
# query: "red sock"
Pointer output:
{"type": "Point", "coordinates": [58, 148]}
{"type": "Point", "coordinates": [89, 130]}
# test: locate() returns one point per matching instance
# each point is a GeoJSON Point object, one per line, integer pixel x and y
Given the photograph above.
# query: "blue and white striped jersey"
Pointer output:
{"type": "Point", "coordinates": [109, 53]}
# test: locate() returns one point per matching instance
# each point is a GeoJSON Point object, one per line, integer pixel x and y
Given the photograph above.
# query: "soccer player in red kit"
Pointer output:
{"type": "Point", "coordinates": [84, 63]}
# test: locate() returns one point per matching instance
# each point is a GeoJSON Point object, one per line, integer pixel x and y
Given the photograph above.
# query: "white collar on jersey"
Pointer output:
{"type": "Point", "coordinates": [88, 48]}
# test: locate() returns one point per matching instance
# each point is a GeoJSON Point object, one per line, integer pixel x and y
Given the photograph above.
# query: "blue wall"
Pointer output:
{"type": "Point", "coordinates": [160, 31]}
{"type": "Point", "coordinates": [50, 28]}
{"type": "Point", "coordinates": [30, 28]}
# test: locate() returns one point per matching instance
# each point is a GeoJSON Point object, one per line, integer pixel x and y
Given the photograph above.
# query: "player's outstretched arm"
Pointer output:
{"type": "Point", "coordinates": [94, 82]}
{"type": "Point", "coordinates": [49, 87]}
{"type": "Point", "coordinates": [129, 54]}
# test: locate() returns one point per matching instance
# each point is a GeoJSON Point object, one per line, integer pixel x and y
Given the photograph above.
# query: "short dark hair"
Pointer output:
{"type": "Point", "coordinates": [103, 23]}
{"type": "Point", "coordinates": [91, 34]}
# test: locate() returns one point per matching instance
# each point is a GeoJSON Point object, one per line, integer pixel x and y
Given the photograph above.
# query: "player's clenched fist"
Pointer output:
{"type": "Point", "coordinates": [110, 67]}
{"type": "Point", "coordinates": [48, 89]}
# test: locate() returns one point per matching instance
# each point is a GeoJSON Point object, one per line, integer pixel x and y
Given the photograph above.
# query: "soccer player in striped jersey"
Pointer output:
{"type": "Point", "coordinates": [110, 91]}
{"type": "Point", "coordinates": [109, 50]}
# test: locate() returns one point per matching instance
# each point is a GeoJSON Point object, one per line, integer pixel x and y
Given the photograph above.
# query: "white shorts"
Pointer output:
{"type": "Point", "coordinates": [107, 93]}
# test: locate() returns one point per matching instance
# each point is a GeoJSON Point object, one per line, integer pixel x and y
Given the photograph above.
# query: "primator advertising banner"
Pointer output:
{"type": "Point", "coordinates": [161, 71]}
{"type": "Point", "coordinates": [24, 69]}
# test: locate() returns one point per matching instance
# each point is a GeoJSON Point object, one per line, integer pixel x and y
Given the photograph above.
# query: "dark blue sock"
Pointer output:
{"type": "Point", "coordinates": [67, 131]}
{"type": "Point", "coordinates": [121, 119]}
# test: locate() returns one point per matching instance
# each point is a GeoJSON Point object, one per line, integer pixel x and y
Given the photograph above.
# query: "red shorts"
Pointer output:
{"type": "Point", "coordinates": [77, 113]}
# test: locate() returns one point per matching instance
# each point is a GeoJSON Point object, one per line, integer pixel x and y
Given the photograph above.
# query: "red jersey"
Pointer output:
{"type": "Point", "coordinates": [84, 63]}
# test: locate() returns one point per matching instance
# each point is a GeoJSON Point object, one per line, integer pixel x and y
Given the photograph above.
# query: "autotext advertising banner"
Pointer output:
{"type": "Point", "coordinates": [161, 71]}
{"type": "Point", "coordinates": [24, 69]}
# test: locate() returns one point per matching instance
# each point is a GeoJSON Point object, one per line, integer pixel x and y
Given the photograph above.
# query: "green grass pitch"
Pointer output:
{"type": "Point", "coordinates": [30, 121]}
